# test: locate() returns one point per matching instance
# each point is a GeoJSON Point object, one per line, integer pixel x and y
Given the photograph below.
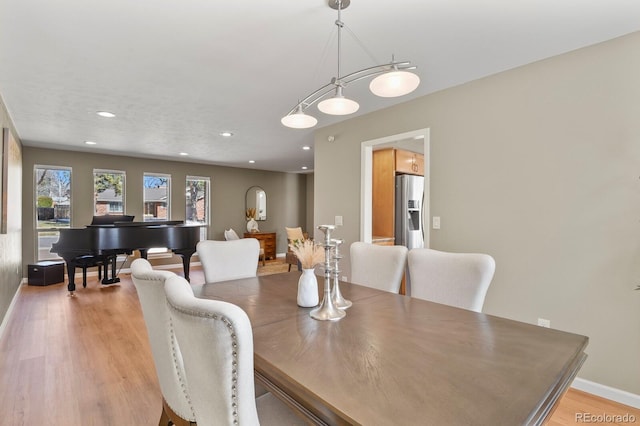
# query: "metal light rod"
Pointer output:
{"type": "Point", "coordinates": [347, 79]}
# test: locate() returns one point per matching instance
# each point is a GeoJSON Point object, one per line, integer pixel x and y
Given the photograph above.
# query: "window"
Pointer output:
{"type": "Point", "coordinates": [157, 188]}
{"type": "Point", "coordinates": [52, 189]}
{"type": "Point", "coordinates": [108, 192]}
{"type": "Point", "coordinates": [198, 203]}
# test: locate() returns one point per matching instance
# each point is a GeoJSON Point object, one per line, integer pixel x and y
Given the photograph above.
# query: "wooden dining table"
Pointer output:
{"type": "Point", "coordinates": [396, 360]}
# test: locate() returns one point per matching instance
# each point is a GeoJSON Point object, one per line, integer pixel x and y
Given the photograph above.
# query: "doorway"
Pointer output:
{"type": "Point", "coordinates": [366, 192]}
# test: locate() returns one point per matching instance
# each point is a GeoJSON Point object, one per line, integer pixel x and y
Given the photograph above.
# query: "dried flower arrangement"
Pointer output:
{"type": "Point", "coordinates": [307, 253]}
{"type": "Point", "coordinates": [250, 213]}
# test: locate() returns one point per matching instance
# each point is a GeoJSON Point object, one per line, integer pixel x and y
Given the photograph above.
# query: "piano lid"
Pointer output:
{"type": "Point", "coordinates": [138, 224]}
{"type": "Point", "coordinates": [108, 219]}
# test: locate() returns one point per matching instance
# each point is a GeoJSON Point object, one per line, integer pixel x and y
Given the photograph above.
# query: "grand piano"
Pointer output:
{"type": "Point", "coordinates": [108, 236]}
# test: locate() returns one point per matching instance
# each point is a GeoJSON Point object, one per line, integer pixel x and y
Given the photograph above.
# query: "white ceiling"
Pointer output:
{"type": "Point", "coordinates": [177, 73]}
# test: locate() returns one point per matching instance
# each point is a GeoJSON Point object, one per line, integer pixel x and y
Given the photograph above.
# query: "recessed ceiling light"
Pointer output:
{"type": "Point", "coordinates": [252, 161]}
{"type": "Point", "coordinates": [106, 114]}
{"type": "Point", "coordinates": [306, 148]}
{"type": "Point", "coordinates": [304, 167]}
{"type": "Point", "coordinates": [184, 153]}
{"type": "Point", "coordinates": [226, 134]}
{"type": "Point", "coordinates": [90, 142]}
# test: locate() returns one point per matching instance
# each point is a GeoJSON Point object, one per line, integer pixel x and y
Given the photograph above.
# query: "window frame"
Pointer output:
{"type": "Point", "coordinates": [167, 176]}
{"type": "Point", "coordinates": [204, 226]}
{"type": "Point", "coordinates": [124, 190]}
{"type": "Point", "coordinates": [38, 230]}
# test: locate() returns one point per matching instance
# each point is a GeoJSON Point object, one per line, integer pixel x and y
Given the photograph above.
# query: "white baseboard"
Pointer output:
{"type": "Point", "coordinates": [7, 315]}
{"type": "Point", "coordinates": [128, 270]}
{"type": "Point", "coordinates": [603, 391]}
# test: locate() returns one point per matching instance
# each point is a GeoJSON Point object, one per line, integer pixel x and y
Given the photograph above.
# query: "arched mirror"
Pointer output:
{"type": "Point", "coordinates": [256, 199]}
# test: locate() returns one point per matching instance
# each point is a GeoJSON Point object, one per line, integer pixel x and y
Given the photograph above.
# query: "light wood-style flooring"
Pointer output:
{"type": "Point", "coordinates": [85, 360]}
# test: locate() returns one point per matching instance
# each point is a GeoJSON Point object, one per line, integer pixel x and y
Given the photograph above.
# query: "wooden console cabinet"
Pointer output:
{"type": "Point", "coordinates": [269, 239]}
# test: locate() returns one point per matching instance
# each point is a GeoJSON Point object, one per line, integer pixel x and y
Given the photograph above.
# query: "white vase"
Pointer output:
{"type": "Point", "coordinates": [252, 226]}
{"type": "Point", "coordinates": [308, 289]}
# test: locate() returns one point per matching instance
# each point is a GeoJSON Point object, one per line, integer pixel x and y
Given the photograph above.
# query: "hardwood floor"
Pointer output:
{"type": "Point", "coordinates": [85, 360]}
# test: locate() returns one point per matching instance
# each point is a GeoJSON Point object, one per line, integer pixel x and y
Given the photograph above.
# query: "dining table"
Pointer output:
{"type": "Point", "coordinates": [398, 360]}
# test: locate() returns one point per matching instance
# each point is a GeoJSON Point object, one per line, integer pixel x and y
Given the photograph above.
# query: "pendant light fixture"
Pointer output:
{"type": "Point", "coordinates": [391, 80]}
{"type": "Point", "coordinates": [298, 119]}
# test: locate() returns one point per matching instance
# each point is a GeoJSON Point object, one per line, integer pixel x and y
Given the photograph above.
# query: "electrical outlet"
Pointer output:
{"type": "Point", "coordinates": [338, 221]}
{"type": "Point", "coordinates": [544, 322]}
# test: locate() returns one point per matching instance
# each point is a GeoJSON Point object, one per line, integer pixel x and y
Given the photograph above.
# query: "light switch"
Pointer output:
{"type": "Point", "coordinates": [436, 222]}
{"type": "Point", "coordinates": [338, 221]}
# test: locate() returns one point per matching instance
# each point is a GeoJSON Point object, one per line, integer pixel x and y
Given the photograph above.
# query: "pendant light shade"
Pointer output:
{"type": "Point", "coordinates": [338, 105]}
{"type": "Point", "coordinates": [394, 83]}
{"type": "Point", "coordinates": [299, 120]}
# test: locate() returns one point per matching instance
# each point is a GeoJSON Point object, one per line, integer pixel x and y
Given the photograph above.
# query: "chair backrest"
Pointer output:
{"type": "Point", "coordinates": [230, 234]}
{"type": "Point", "coordinates": [378, 266]}
{"type": "Point", "coordinates": [456, 279]}
{"type": "Point", "coordinates": [216, 342]}
{"type": "Point", "coordinates": [228, 260]}
{"type": "Point", "coordinates": [166, 354]}
{"type": "Point", "coordinates": [294, 234]}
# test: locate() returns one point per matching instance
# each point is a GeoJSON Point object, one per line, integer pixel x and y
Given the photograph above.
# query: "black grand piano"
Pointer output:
{"type": "Point", "coordinates": [111, 235]}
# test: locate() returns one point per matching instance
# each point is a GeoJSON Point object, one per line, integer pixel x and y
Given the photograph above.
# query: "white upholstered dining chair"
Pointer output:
{"type": "Point", "coordinates": [455, 279]}
{"type": "Point", "coordinates": [176, 406]}
{"type": "Point", "coordinates": [228, 260]}
{"type": "Point", "coordinates": [216, 342]}
{"type": "Point", "coordinates": [377, 266]}
{"type": "Point", "coordinates": [230, 234]}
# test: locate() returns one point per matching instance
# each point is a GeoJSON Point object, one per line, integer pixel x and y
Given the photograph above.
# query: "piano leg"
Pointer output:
{"type": "Point", "coordinates": [71, 272]}
{"type": "Point", "coordinates": [186, 260]}
{"type": "Point", "coordinates": [84, 277]}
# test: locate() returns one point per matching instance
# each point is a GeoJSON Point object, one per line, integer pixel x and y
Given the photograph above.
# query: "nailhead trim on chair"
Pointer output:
{"type": "Point", "coordinates": [182, 381]}
{"type": "Point", "coordinates": [234, 363]}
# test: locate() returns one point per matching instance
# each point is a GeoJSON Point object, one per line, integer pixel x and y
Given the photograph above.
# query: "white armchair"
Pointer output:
{"type": "Point", "coordinates": [217, 345]}
{"type": "Point", "coordinates": [456, 279]}
{"type": "Point", "coordinates": [376, 266]}
{"type": "Point", "coordinates": [176, 406]}
{"type": "Point", "coordinates": [228, 260]}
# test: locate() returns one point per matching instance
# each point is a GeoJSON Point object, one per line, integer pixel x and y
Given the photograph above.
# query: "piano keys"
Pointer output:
{"type": "Point", "coordinates": [115, 238]}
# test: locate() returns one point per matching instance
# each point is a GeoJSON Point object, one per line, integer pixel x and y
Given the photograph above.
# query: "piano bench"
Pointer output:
{"type": "Point", "coordinates": [46, 273]}
{"type": "Point", "coordinates": [89, 261]}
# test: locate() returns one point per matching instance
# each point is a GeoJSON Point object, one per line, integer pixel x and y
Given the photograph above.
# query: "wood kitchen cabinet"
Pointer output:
{"type": "Point", "coordinates": [408, 162]}
{"type": "Point", "coordinates": [387, 163]}
{"type": "Point", "coordinates": [269, 239]}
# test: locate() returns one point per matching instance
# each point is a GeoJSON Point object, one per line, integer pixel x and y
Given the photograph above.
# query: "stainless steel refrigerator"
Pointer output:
{"type": "Point", "coordinates": [408, 214]}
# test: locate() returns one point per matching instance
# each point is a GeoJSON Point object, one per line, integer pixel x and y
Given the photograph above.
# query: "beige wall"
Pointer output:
{"type": "Point", "coordinates": [11, 242]}
{"type": "Point", "coordinates": [286, 192]}
{"type": "Point", "coordinates": [537, 166]}
{"type": "Point", "coordinates": [309, 218]}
